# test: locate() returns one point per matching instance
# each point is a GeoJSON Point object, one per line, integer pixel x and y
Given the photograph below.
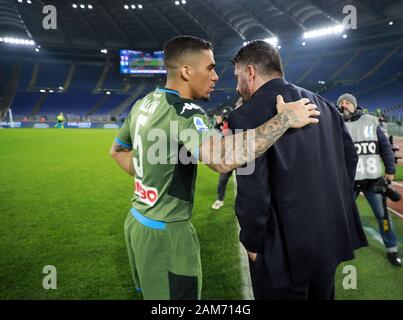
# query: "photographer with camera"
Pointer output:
{"type": "Point", "coordinates": [222, 125]}
{"type": "Point", "coordinates": [373, 148]}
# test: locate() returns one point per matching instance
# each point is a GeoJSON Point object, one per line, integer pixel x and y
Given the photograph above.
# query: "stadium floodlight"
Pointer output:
{"type": "Point", "coordinates": [140, 6]}
{"type": "Point", "coordinates": [74, 6]}
{"type": "Point", "coordinates": [245, 43]}
{"type": "Point", "coordinates": [90, 6]}
{"type": "Point", "coordinates": [126, 7]}
{"type": "Point", "coordinates": [183, 1]}
{"type": "Point", "coordinates": [344, 36]}
{"type": "Point", "coordinates": [133, 6]}
{"type": "Point", "coordinates": [278, 47]}
{"type": "Point", "coordinates": [104, 51]}
{"type": "Point", "coordinates": [51, 90]}
{"type": "Point", "coordinates": [390, 23]}
{"type": "Point", "coordinates": [18, 41]}
{"type": "Point", "coordinates": [324, 31]}
{"type": "Point", "coordinates": [108, 92]}
{"type": "Point", "coordinates": [42, 90]}
{"type": "Point", "coordinates": [82, 6]}
{"type": "Point", "coordinates": [29, 1]}
{"type": "Point", "coordinates": [20, 1]}
{"type": "Point", "coordinates": [177, 3]}
{"type": "Point", "coordinates": [1, 39]}
{"type": "Point", "coordinates": [304, 43]}
{"type": "Point", "coordinates": [37, 49]}
{"type": "Point", "coordinates": [273, 41]}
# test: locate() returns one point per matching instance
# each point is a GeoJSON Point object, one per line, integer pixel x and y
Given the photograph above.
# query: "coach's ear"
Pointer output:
{"type": "Point", "coordinates": [185, 72]}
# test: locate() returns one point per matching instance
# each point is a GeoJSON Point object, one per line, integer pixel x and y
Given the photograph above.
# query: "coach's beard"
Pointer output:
{"type": "Point", "coordinates": [347, 115]}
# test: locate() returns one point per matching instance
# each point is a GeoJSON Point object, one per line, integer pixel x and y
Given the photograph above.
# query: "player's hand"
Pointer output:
{"type": "Point", "coordinates": [389, 177]}
{"type": "Point", "coordinates": [300, 113]}
{"type": "Point", "coordinates": [252, 256]}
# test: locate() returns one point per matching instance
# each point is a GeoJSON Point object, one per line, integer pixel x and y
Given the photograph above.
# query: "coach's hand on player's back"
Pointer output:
{"type": "Point", "coordinates": [300, 113]}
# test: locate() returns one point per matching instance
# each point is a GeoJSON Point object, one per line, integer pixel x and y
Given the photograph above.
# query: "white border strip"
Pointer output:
{"type": "Point", "coordinates": [397, 184]}
{"type": "Point", "coordinates": [374, 234]}
{"type": "Point", "coordinates": [395, 212]}
{"type": "Point", "coordinates": [389, 209]}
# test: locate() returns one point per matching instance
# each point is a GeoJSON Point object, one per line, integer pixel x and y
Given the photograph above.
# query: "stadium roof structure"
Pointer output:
{"type": "Point", "coordinates": [124, 24]}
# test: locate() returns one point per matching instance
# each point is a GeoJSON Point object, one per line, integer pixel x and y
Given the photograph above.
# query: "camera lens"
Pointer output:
{"type": "Point", "coordinates": [393, 194]}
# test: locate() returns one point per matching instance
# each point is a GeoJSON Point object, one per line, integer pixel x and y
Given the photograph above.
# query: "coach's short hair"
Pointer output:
{"type": "Point", "coordinates": [262, 55]}
{"type": "Point", "coordinates": [182, 46]}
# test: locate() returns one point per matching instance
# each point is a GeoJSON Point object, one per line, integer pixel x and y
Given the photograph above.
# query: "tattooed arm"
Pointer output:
{"type": "Point", "coordinates": [123, 156]}
{"type": "Point", "coordinates": [221, 154]}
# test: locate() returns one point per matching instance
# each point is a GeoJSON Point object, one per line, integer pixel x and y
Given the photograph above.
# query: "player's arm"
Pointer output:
{"type": "Point", "coordinates": [123, 156]}
{"type": "Point", "coordinates": [221, 155]}
{"type": "Point", "coordinates": [121, 149]}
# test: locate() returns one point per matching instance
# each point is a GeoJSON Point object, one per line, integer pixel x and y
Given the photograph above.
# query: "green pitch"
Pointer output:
{"type": "Point", "coordinates": [63, 202]}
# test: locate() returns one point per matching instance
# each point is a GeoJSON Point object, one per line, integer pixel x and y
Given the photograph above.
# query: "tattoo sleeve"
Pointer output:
{"type": "Point", "coordinates": [231, 152]}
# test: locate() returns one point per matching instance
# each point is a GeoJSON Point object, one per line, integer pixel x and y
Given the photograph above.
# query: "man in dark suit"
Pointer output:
{"type": "Point", "coordinates": [296, 211]}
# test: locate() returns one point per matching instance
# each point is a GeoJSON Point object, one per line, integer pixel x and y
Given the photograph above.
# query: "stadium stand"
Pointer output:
{"type": "Point", "coordinates": [374, 76]}
{"type": "Point", "coordinates": [369, 69]}
{"type": "Point", "coordinates": [60, 198]}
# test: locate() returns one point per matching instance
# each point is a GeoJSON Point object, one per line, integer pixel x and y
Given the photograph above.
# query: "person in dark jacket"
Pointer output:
{"type": "Point", "coordinates": [373, 148]}
{"type": "Point", "coordinates": [296, 211]}
{"type": "Point", "coordinates": [222, 125]}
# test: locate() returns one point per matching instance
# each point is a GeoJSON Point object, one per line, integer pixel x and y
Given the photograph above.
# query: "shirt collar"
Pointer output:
{"type": "Point", "coordinates": [271, 84]}
{"type": "Point", "coordinates": [162, 89]}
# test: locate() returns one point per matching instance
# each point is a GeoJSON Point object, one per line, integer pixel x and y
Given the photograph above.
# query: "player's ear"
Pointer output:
{"type": "Point", "coordinates": [251, 72]}
{"type": "Point", "coordinates": [186, 72]}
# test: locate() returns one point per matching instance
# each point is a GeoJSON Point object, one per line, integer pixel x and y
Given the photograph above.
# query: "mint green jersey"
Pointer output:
{"type": "Point", "coordinates": [164, 132]}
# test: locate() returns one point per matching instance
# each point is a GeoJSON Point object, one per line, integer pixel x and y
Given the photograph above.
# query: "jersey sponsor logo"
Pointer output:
{"type": "Point", "coordinates": [366, 147]}
{"type": "Point", "coordinates": [369, 132]}
{"type": "Point", "coordinates": [147, 195]}
{"type": "Point", "coordinates": [190, 106]}
{"type": "Point", "coordinates": [199, 124]}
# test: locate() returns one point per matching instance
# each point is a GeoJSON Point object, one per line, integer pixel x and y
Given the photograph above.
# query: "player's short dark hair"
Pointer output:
{"type": "Point", "coordinates": [181, 46]}
{"type": "Point", "coordinates": [262, 55]}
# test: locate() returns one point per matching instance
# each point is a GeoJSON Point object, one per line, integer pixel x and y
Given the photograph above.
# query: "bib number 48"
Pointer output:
{"type": "Point", "coordinates": [369, 165]}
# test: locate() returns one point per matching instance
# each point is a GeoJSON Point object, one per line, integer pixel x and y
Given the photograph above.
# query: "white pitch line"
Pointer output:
{"type": "Point", "coordinates": [389, 209]}
{"type": "Point", "coordinates": [374, 234]}
{"type": "Point", "coordinates": [396, 213]}
{"type": "Point", "coordinates": [247, 292]}
{"type": "Point", "coordinates": [397, 184]}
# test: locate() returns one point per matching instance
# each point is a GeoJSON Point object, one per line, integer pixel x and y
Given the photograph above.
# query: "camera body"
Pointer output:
{"type": "Point", "coordinates": [383, 186]}
{"type": "Point", "coordinates": [391, 193]}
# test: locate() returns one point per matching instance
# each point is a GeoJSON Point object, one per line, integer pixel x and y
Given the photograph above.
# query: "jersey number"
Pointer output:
{"type": "Point", "coordinates": [369, 166]}
{"type": "Point", "coordinates": [138, 146]}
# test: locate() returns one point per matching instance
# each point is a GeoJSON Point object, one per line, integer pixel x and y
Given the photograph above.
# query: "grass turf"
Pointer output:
{"type": "Point", "coordinates": [63, 202]}
{"type": "Point", "coordinates": [376, 278]}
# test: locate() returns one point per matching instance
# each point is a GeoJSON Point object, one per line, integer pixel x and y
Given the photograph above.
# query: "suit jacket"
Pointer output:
{"type": "Point", "coordinates": [297, 208]}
